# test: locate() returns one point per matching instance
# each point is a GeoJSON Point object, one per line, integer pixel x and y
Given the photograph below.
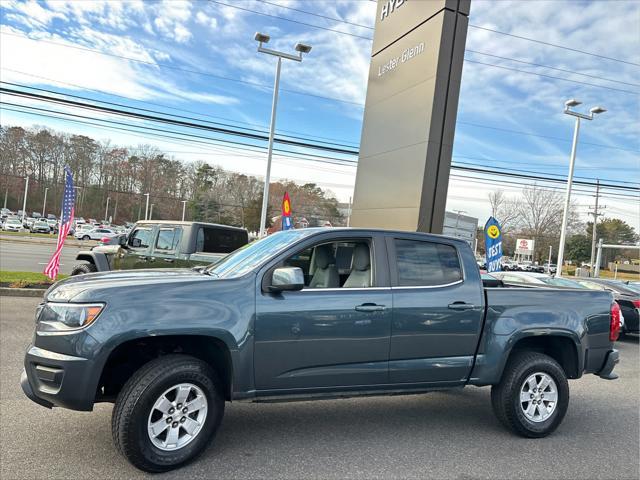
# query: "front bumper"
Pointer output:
{"type": "Point", "coordinates": [54, 379]}
{"type": "Point", "coordinates": [611, 360]}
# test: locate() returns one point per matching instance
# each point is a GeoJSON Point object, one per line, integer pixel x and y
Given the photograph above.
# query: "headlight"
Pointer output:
{"type": "Point", "coordinates": [67, 316]}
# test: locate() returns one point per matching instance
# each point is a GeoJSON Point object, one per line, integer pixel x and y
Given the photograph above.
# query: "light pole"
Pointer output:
{"type": "Point", "coordinates": [24, 203]}
{"type": "Point", "coordinates": [565, 214]}
{"type": "Point", "coordinates": [106, 210]}
{"type": "Point", "coordinates": [300, 48]}
{"type": "Point", "coordinates": [44, 202]}
{"type": "Point", "coordinates": [184, 207]}
{"type": "Point", "coordinates": [151, 211]}
{"type": "Point", "coordinates": [146, 208]}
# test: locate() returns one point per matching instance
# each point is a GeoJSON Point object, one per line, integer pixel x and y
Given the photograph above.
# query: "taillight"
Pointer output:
{"type": "Point", "coordinates": [614, 324]}
{"type": "Point", "coordinates": [105, 239]}
{"type": "Point", "coordinates": [636, 303]}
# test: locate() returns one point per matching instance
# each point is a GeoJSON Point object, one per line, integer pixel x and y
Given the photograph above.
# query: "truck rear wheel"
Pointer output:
{"type": "Point", "coordinates": [533, 395]}
{"type": "Point", "coordinates": [167, 413]}
{"type": "Point", "coordinates": [82, 268]}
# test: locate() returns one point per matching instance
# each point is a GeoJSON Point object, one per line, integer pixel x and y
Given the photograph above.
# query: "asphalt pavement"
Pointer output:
{"type": "Point", "coordinates": [438, 435]}
{"type": "Point", "coordinates": [32, 256]}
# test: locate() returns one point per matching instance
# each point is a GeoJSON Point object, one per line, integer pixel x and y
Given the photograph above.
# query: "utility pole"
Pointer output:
{"type": "Point", "coordinates": [595, 214]}
{"type": "Point", "coordinates": [549, 262]}
{"type": "Point", "coordinates": [151, 212]}
{"type": "Point", "coordinates": [184, 206]}
{"type": "Point", "coordinates": [6, 193]}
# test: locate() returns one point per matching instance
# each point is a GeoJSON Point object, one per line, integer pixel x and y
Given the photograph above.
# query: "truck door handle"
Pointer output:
{"type": "Point", "coordinates": [370, 307]}
{"type": "Point", "coordinates": [143, 258]}
{"type": "Point", "coordinates": [461, 306]}
{"type": "Point", "coordinates": [168, 260]}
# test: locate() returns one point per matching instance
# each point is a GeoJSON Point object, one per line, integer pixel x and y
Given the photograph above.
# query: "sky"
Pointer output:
{"type": "Point", "coordinates": [199, 59]}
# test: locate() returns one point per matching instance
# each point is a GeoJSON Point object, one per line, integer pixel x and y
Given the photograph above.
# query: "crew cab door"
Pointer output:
{"type": "Point", "coordinates": [136, 253]}
{"type": "Point", "coordinates": [165, 253]}
{"type": "Point", "coordinates": [334, 333]}
{"type": "Point", "coordinates": [437, 311]}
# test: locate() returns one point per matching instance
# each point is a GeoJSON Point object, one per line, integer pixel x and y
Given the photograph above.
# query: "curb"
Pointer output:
{"type": "Point", "coordinates": [21, 292]}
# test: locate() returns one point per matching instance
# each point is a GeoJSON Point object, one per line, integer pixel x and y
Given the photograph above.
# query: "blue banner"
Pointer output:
{"type": "Point", "coordinates": [493, 245]}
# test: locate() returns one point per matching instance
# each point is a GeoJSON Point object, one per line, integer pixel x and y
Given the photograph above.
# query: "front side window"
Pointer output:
{"type": "Point", "coordinates": [140, 238]}
{"type": "Point", "coordinates": [341, 264]}
{"type": "Point", "coordinates": [168, 239]}
{"type": "Point", "coordinates": [426, 264]}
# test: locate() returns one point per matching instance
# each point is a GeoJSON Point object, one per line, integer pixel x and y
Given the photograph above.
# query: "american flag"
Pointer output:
{"type": "Point", "coordinates": [68, 202]}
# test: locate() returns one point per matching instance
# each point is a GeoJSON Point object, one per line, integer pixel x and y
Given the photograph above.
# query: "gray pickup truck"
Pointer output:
{"type": "Point", "coordinates": [309, 314]}
{"type": "Point", "coordinates": [163, 244]}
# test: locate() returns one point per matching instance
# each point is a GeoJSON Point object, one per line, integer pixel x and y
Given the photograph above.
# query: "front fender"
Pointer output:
{"type": "Point", "coordinates": [99, 259]}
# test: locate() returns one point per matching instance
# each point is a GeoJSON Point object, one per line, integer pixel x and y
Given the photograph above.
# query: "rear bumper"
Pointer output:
{"type": "Point", "coordinates": [611, 360]}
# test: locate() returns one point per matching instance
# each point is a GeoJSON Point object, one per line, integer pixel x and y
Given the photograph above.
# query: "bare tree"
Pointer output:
{"type": "Point", "coordinates": [502, 209]}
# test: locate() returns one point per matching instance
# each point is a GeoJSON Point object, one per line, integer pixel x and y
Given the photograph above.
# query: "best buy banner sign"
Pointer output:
{"type": "Point", "coordinates": [493, 245]}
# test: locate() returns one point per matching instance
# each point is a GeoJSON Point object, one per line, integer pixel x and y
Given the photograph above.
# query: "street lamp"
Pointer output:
{"type": "Point", "coordinates": [146, 208]}
{"type": "Point", "coordinates": [24, 203]}
{"type": "Point", "coordinates": [184, 206]}
{"type": "Point", "coordinates": [567, 109]}
{"type": "Point", "coordinates": [301, 48]}
{"type": "Point", "coordinates": [44, 202]}
{"type": "Point", "coordinates": [106, 210]}
{"type": "Point", "coordinates": [151, 212]}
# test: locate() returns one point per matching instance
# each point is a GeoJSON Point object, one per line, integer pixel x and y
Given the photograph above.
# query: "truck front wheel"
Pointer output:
{"type": "Point", "coordinates": [167, 413]}
{"type": "Point", "coordinates": [533, 395]}
{"type": "Point", "coordinates": [82, 268]}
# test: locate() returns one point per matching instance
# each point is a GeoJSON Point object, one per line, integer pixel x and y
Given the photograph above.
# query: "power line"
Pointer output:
{"type": "Point", "coordinates": [290, 20]}
{"type": "Point", "coordinates": [553, 45]}
{"type": "Point", "coordinates": [317, 15]}
{"type": "Point", "coordinates": [187, 70]}
{"type": "Point", "coordinates": [164, 113]}
{"type": "Point", "coordinates": [553, 68]}
{"type": "Point", "coordinates": [171, 121]}
{"type": "Point", "coordinates": [551, 76]}
{"type": "Point", "coordinates": [163, 105]}
{"type": "Point", "coordinates": [550, 137]}
{"type": "Point", "coordinates": [483, 171]}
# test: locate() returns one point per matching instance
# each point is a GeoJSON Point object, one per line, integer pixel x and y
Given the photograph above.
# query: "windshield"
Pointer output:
{"type": "Point", "coordinates": [561, 282]}
{"type": "Point", "coordinates": [247, 257]}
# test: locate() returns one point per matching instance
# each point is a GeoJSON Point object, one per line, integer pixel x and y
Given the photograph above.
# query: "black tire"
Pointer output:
{"type": "Point", "coordinates": [86, 237]}
{"type": "Point", "coordinates": [135, 402]}
{"type": "Point", "coordinates": [505, 397]}
{"type": "Point", "coordinates": [82, 268]}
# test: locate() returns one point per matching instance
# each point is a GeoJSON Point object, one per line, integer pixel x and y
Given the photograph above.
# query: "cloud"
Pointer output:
{"type": "Point", "coordinates": [204, 19]}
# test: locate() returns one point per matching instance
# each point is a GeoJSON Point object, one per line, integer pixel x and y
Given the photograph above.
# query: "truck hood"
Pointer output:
{"type": "Point", "coordinates": [91, 286]}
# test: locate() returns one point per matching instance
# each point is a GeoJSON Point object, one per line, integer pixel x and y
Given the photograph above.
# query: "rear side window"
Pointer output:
{"type": "Point", "coordinates": [426, 263]}
{"type": "Point", "coordinates": [219, 240]}
{"type": "Point", "coordinates": [168, 239]}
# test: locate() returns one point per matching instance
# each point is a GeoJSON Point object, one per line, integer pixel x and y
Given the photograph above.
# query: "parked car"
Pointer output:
{"type": "Point", "coordinates": [550, 268]}
{"type": "Point", "coordinates": [12, 225]}
{"type": "Point", "coordinates": [40, 226]}
{"type": "Point", "coordinates": [28, 221]}
{"type": "Point", "coordinates": [535, 279]}
{"type": "Point", "coordinates": [80, 221]}
{"type": "Point", "coordinates": [36, 215]}
{"type": "Point", "coordinates": [51, 216]}
{"type": "Point", "coordinates": [308, 314]}
{"type": "Point", "coordinates": [627, 298]}
{"type": "Point", "coordinates": [164, 244]}
{"type": "Point", "coordinates": [94, 234]}
{"type": "Point", "coordinates": [53, 224]}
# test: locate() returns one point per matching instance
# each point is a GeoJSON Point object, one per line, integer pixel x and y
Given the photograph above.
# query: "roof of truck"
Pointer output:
{"type": "Point", "coordinates": [179, 222]}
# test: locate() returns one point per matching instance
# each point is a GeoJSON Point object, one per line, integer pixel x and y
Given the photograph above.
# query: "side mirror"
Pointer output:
{"type": "Point", "coordinates": [287, 279]}
{"type": "Point", "coordinates": [122, 240]}
{"type": "Point", "coordinates": [136, 242]}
